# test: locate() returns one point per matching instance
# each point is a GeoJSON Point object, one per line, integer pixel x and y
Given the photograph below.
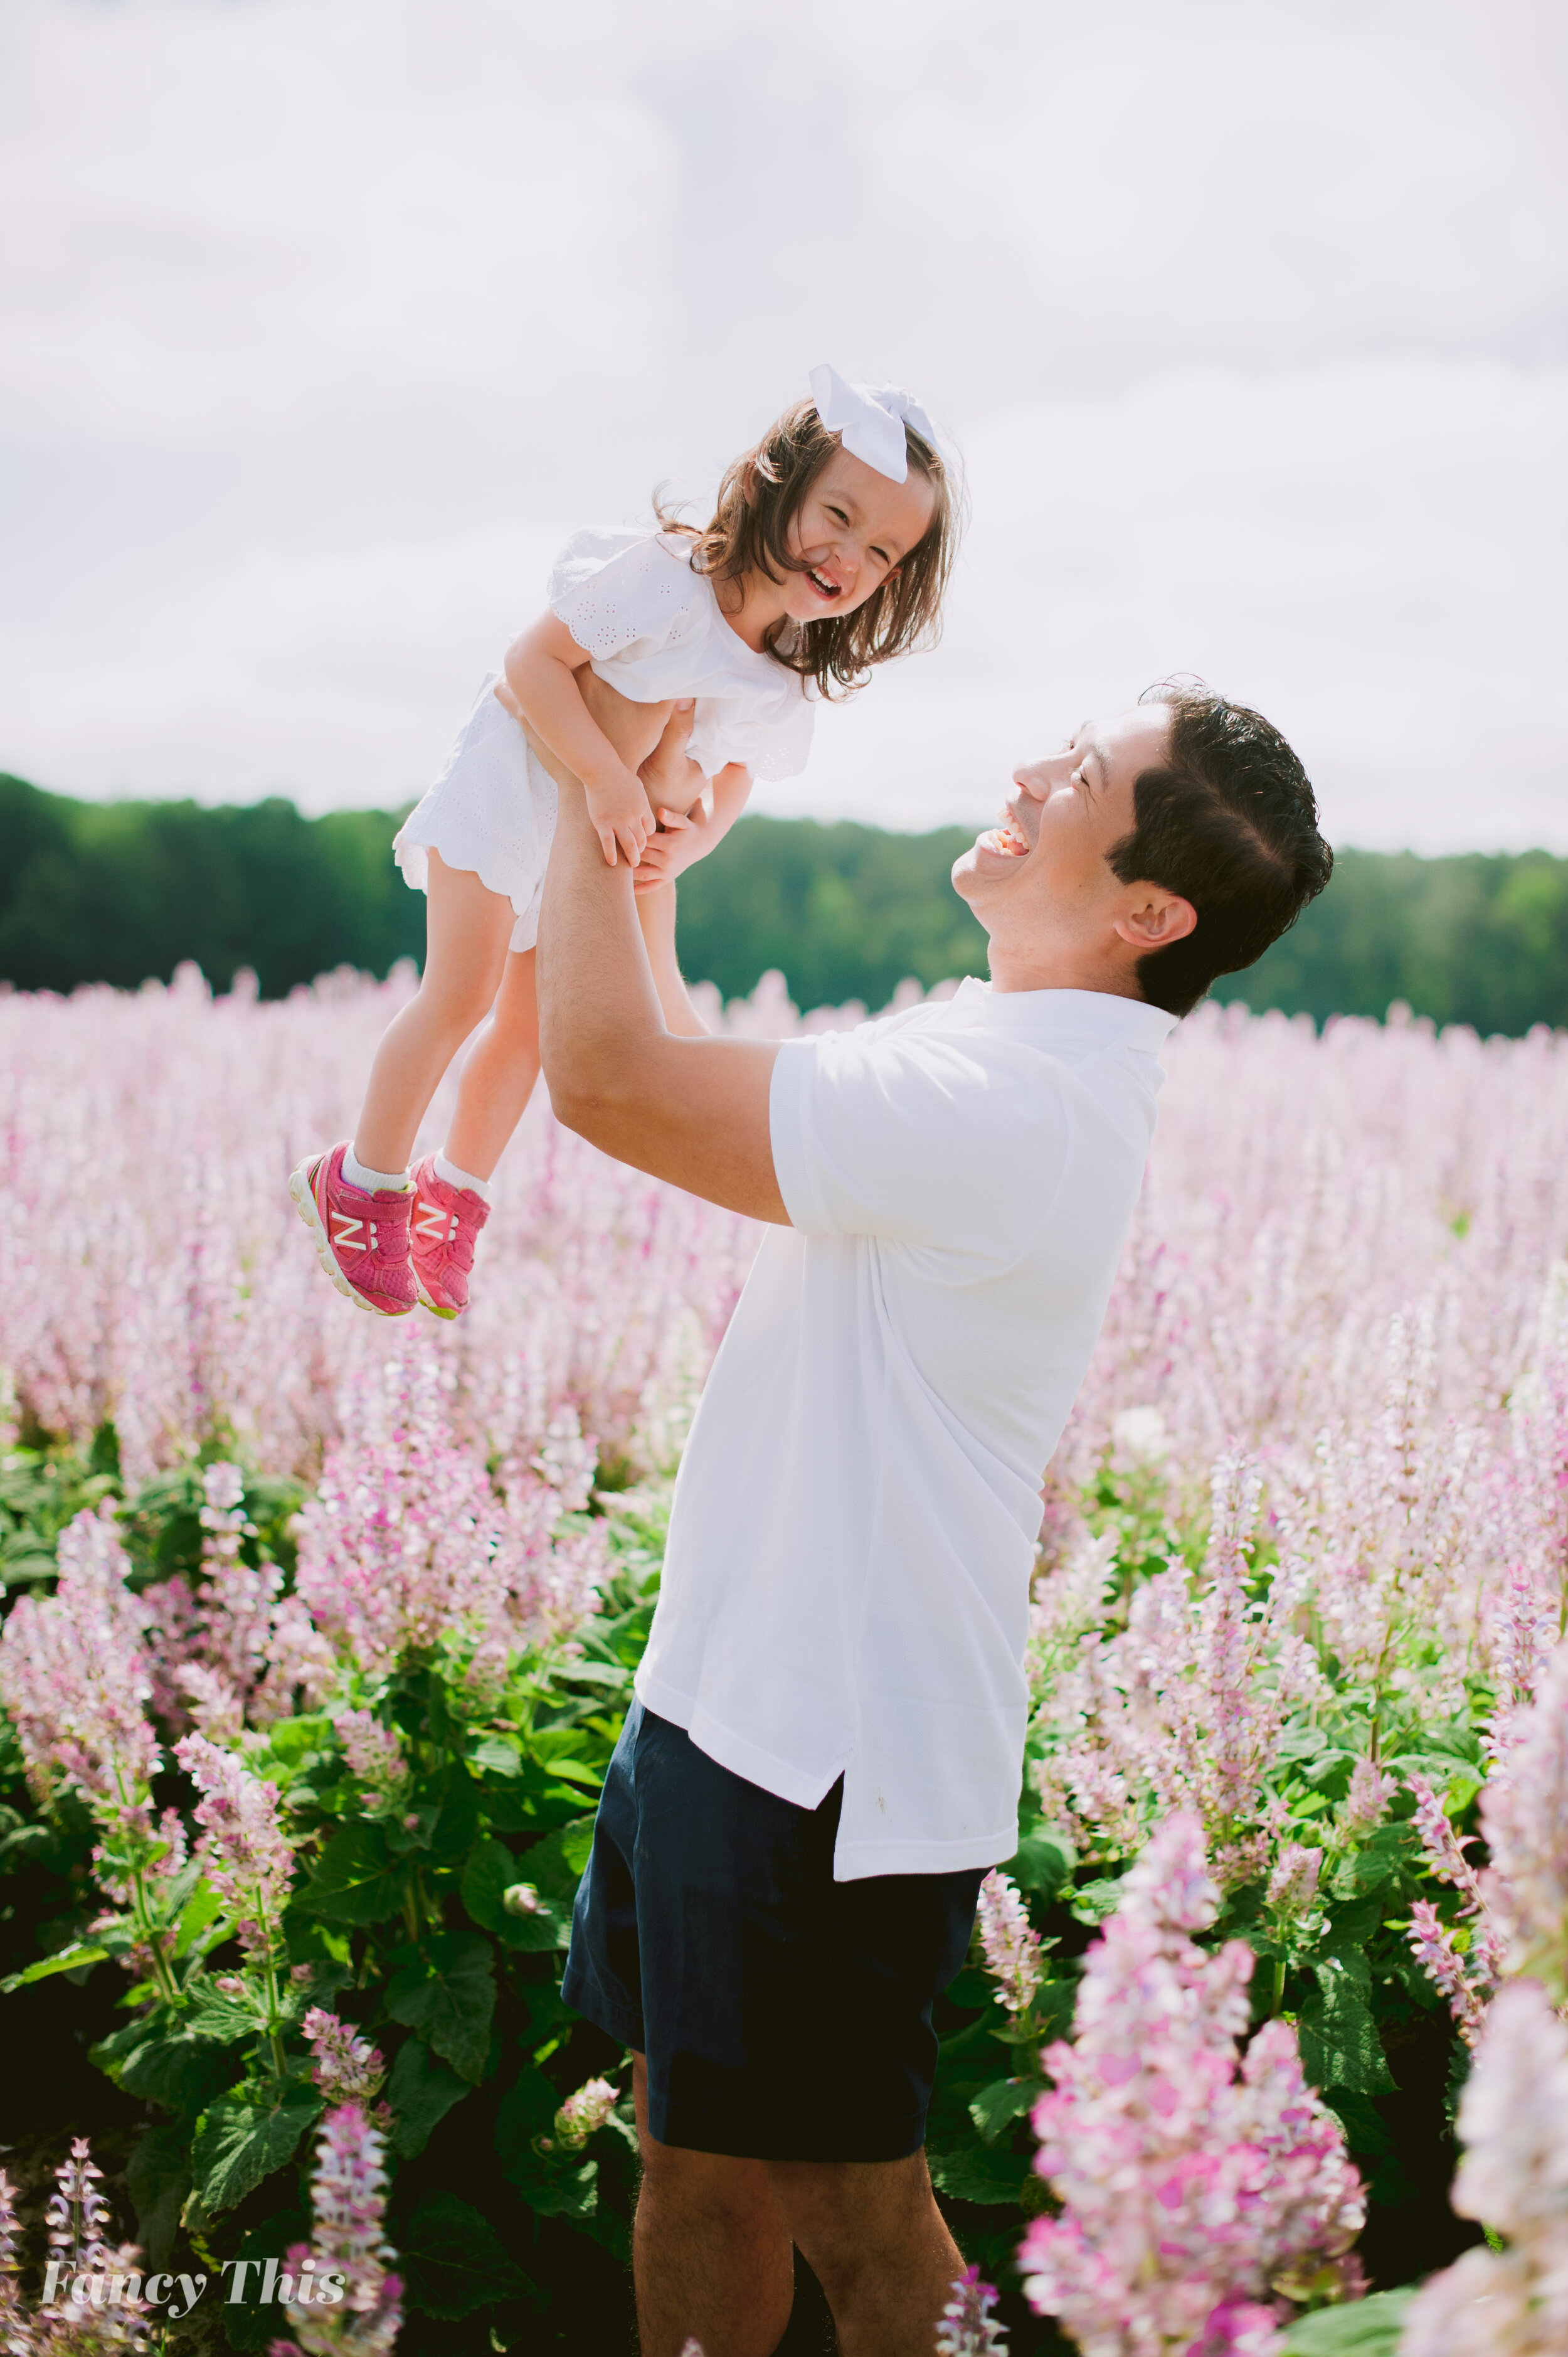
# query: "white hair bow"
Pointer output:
{"type": "Point", "coordinates": [871, 419]}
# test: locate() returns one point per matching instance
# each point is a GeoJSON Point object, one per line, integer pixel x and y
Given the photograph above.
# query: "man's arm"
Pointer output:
{"type": "Point", "coordinates": [693, 1111]}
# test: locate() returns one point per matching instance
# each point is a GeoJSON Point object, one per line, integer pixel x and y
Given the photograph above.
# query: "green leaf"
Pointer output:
{"type": "Point", "coordinates": [355, 1881]}
{"type": "Point", "coordinates": [1378, 1857]}
{"type": "Point", "coordinates": [218, 2018]}
{"type": "Point", "coordinates": [202, 1908]}
{"type": "Point", "coordinates": [237, 2146]}
{"type": "Point", "coordinates": [248, 2324]}
{"type": "Point", "coordinates": [289, 1739]}
{"type": "Point", "coordinates": [1093, 1901]}
{"type": "Point", "coordinates": [1042, 1863]}
{"type": "Point", "coordinates": [558, 2185]}
{"type": "Point", "coordinates": [980, 2172]}
{"type": "Point", "coordinates": [1355, 1926]}
{"type": "Point", "coordinates": [556, 1865]}
{"type": "Point", "coordinates": [1004, 2100]}
{"type": "Point", "coordinates": [452, 2262]}
{"type": "Point", "coordinates": [458, 1823]}
{"type": "Point", "coordinates": [609, 1675]}
{"type": "Point", "coordinates": [183, 2072]}
{"type": "Point", "coordinates": [448, 1992]}
{"type": "Point", "coordinates": [577, 1771]}
{"type": "Point", "coordinates": [421, 2091]}
{"type": "Point", "coordinates": [495, 1755]}
{"type": "Point", "coordinates": [64, 1960]}
{"type": "Point", "coordinates": [1365, 2131]}
{"type": "Point", "coordinates": [157, 2175]}
{"type": "Point", "coordinates": [490, 1872]}
{"type": "Point", "coordinates": [1338, 2036]}
{"type": "Point", "coordinates": [1364, 2327]}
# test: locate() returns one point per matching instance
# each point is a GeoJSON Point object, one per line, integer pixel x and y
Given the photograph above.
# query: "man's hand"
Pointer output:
{"type": "Point", "coordinates": [621, 814]}
{"type": "Point", "coordinates": [692, 1110]}
{"type": "Point", "coordinates": [684, 840]}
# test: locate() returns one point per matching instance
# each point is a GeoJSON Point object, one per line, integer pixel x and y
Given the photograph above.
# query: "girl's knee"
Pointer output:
{"type": "Point", "coordinates": [515, 1031]}
{"type": "Point", "coordinates": [454, 1007]}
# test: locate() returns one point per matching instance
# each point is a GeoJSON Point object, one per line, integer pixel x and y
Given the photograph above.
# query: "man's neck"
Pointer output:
{"type": "Point", "coordinates": [1035, 970]}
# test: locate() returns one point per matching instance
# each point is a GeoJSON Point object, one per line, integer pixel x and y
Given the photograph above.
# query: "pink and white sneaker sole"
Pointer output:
{"type": "Point", "coordinates": [311, 1187]}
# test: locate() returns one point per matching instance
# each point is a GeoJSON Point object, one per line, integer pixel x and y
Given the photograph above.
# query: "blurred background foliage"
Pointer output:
{"type": "Point", "coordinates": [121, 891]}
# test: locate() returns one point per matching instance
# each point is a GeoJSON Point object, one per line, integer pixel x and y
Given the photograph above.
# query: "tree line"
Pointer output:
{"type": "Point", "coordinates": [120, 892]}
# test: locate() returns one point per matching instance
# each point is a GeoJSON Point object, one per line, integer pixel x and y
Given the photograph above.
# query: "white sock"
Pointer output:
{"type": "Point", "coordinates": [450, 1176]}
{"type": "Point", "coordinates": [375, 1182]}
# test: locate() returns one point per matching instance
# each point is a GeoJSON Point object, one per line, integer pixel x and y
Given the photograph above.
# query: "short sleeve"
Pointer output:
{"type": "Point", "coordinates": [952, 1143]}
{"type": "Point", "coordinates": [616, 587]}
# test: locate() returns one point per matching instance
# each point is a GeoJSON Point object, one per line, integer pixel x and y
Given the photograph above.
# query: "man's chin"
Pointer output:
{"type": "Point", "coordinates": [965, 872]}
{"type": "Point", "coordinates": [974, 871]}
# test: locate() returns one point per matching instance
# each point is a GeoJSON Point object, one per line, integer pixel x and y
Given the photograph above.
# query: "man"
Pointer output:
{"type": "Point", "coordinates": [825, 1750]}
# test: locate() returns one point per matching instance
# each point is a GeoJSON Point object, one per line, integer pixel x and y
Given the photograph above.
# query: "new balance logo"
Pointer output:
{"type": "Point", "coordinates": [429, 1222]}
{"type": "Point", "coordinates": [349, 1233]}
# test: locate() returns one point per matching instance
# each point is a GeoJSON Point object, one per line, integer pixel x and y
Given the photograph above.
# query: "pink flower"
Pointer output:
{"type": "Point", "coordinates": [1524, 1817]}
{"type": "Point", "coordinates": [244, 1852]}
{"type": "Point", "coordinates": [74, 1677]}
{"type": "Point", "coordinates": [1367, 1803]}
{"type": "Point", "coordinates": [585, 2112]}
{"type": "Point", "coordinates": [1513, 2120]}
{"type": "Point", "coordinates": [1292, 1885]}
{"type": "Point", "coordinates": [374, 1752]}
{"type": "Point", "coordinates": [969, 2327]}
{"type": "Point", "coordinates": [348, 2070]}
{"type": "Point", "coordinates": [1012, 1946]}
{"type": "Point", "coordinates": [16, 2337]}
{"type": "Point", "coordinates": [1430, 1941]}
{"type": "Point", "coordinates": [348, 2198]}
{"type": "Point", "coordinates": [1191, 2177]}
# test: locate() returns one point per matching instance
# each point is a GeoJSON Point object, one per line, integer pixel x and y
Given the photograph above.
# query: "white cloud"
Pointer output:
{"type": "Point", "coordinates": [237, 218]}
{"type": "Point", "coordinates": [324, 319]}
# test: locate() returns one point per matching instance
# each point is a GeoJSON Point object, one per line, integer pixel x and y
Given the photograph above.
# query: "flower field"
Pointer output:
{"type": "Point", "coordinates": [321, 1630]}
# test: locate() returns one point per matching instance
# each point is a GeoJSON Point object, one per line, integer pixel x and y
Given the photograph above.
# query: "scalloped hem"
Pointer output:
{"type": "Point", "coordinates": [408, 854]}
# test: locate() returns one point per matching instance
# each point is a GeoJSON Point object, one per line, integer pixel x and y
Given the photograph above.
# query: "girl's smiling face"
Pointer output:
{"type": "Point", "coordinates": [852, 530]}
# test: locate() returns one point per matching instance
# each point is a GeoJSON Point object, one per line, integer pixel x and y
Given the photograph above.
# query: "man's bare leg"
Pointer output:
{"type": "Point", "coordinates": [877, 2245]}
{"type": "Point", "coordinates": [711, 2251]}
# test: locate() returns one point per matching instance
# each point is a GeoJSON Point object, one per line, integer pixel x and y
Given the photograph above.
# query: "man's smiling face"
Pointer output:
{"type": "Point", "coordinates": [1040, 881]}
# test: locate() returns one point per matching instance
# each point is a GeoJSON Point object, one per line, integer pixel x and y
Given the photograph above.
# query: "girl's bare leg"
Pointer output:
{"type": "Point", "coordinates": [467, 931]}
{"type": "Point", "coordinates": [498, 1073]}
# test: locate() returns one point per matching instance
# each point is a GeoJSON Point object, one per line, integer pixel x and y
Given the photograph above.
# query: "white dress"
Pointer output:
{"type": "Point", "coordinates": [651, 629]}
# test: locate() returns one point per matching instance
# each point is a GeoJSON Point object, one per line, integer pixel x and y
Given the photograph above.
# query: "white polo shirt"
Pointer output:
{"type": "Point", "coordinates": [846, 1588]}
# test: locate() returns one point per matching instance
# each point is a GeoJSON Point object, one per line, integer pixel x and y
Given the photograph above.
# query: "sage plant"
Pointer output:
{"type": "Point", "coordinates": [1198, 2184]}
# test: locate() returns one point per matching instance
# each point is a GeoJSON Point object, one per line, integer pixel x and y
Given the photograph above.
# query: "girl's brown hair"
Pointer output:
{"type": "Point", "coordinates": [760, 496]}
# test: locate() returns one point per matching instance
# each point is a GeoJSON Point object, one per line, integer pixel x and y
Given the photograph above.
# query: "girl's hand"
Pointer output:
{"type": "Point", "coordinates": [619, 810]}
{"type": "Point", "coordinates": [685, 838]}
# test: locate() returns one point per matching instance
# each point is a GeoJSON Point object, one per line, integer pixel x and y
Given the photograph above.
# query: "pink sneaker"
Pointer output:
{"type": "Point", "coordinates": [446, 1223]}
{"type": "Point", "coordinates": [361, 1240]}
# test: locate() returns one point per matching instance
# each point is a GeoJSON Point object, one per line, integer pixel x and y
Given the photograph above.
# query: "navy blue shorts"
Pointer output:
{"type": "Point", "coordinates": [784, 2016]}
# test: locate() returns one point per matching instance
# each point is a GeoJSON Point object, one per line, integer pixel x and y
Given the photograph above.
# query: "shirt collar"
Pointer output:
{"type": "Point", "coordinates": [1048, 1016]}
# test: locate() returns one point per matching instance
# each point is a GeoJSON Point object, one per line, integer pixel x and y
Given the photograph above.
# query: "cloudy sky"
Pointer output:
{"type": "Point", "coordinates": [323, 321]}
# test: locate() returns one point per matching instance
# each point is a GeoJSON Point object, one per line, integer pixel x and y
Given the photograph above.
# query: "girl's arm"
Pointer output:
{"type": "Point", "coordinates": [691, 837]}
{"type": "Point", "coordinates": [541, 667]}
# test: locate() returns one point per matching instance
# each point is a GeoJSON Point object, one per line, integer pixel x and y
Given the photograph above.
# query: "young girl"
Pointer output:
{"type": "Point", "coordinates": [829, 550]}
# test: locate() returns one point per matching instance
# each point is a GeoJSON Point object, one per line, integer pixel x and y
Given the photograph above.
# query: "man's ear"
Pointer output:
{"type": "Point", "coordinates": [1157, 920]}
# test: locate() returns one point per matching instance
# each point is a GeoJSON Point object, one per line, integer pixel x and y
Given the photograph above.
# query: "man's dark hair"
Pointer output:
{"type": "Point", "coordinates": [1230, 822]}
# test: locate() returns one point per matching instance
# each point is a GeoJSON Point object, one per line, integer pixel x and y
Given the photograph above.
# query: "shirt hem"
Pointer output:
{"type": "Point", "coordinates": [857, 1861]}
{"type": "Point", "coordinates": [735, 1752]}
